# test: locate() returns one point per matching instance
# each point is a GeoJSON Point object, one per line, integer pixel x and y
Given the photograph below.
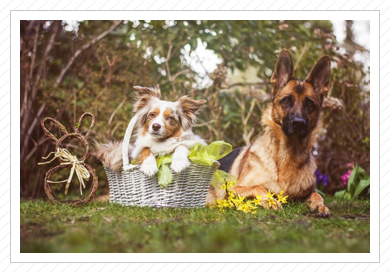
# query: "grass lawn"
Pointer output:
{"type": "Point", "coordinates": [104, 227]}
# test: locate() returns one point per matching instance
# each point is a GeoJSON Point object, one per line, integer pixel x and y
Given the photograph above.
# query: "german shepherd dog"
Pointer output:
{"type": "Point", "coordinates": [280, 158]}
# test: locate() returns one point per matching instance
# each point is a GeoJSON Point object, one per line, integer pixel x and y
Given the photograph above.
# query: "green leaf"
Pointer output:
{"type": "Point", "coordinates": [361, 187]}
{"type": "Point", "coordinates": [344, 194]}
{"type": "Point", "coordinates": [347, 196]}
{"type": "Point", "coordinates": [320, 192]}
{"type": "Point", "coordinates": [239, 64]}
{"type": "Point", "coordinates": [209, 39]}
{"type": "Point", "coordinates": [340, 194]}
{"type": "Point", "coordinates": [194, 43]}
{"type": "Point", "coordinates": [352, 181]}
{"type": "Point", "coordinates": [362, 173]}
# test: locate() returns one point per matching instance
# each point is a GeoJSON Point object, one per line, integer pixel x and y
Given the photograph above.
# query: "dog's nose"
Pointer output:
{"type": "Point", "coordinates": [298, 123]}
{"type": "Point", "coordinates": [156, 126]}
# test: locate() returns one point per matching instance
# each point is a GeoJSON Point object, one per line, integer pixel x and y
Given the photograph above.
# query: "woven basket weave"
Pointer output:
{"type": "Point", "coordinates": [131, 187]}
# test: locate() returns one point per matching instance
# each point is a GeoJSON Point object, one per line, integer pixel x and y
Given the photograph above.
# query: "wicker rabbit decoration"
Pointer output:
{"type": "Point", "coordinates": [67, 160]}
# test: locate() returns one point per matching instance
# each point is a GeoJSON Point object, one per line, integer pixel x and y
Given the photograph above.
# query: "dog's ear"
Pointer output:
{"type": "Point", "coordinates": [141, 98]}
{"type": "Point", "coordinates": [319, 75]}
{"type": "Point", "coordinates": [188, 109]}
{"type": "Point", "coordinates": [283, 73]}
{"type": "Point", "coordinates": [143, 95]}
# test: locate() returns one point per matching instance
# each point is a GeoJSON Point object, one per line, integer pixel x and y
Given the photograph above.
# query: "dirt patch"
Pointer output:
{"type": "Point", "coordinates": [362, 216]}
{"type": "Point", "coordinates": [35, 231]}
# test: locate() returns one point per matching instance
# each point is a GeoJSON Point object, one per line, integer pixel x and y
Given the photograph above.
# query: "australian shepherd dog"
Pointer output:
{"type": "Point", "coordinates": [165, 127]}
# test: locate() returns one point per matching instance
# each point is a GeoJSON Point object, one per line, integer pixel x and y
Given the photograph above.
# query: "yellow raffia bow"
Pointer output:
{"type": "Point", "coordinates": [201, 154]}
{"type": "Point", "coordinates": [81, 172]}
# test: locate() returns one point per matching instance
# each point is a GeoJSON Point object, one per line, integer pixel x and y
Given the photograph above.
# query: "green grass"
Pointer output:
{"type": "Point", "coordinates": [103, 227]}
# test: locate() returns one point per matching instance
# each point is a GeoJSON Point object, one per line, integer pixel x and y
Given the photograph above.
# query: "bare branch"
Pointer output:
{"type": "Point", "coordinates": [112, 117]}
{"type": "Point", "coordinates": [34, 53]}
{"type": "Point", "coordinates": [116, 127]}
{"type": "Point", "coordinates": [247, 137]}
{"type": "Point", "coordinates": [204, 123]}
{"type": "Point", "coordinates": [179, 73]}
{"type": "Point", "coordinates": [116, 110]}
{"type": "Point", "coordinates": [28, 133]}
{"type": "Point", "coordinates": [167, 67]}
{"type": "Point", "coordinates": [253, 103]}
{"type": "Point", "coordinates": [54, 31]}
{"type": "Point", "coordinates": [26, 117]}
{"type": "Point", "coordinates": [84, 47]}
{"type": "Point", "coordinates": [305, 48]}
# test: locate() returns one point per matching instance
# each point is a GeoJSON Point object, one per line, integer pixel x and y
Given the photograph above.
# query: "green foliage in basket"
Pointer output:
{"type": "Point", "coordinates": [201, 154]}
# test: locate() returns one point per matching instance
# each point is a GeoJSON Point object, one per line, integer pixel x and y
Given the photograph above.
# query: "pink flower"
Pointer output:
{"type": "Point", "coordinates": [345, 177]}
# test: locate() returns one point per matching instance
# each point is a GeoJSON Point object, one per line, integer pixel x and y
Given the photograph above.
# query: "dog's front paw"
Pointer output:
{"type": "Point", "coordinates": [323, 211]}
{"type": "Point", "coordinates": [149, 167]}
{"type": "Point", "coordinates": [179, 164]}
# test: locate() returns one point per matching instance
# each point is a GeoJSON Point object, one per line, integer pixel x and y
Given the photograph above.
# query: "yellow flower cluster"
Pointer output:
{"type": "Point", "coordinates": [235, 201]}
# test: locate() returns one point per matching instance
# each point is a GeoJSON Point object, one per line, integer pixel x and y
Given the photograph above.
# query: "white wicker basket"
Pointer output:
{"type": "Point", "coordinates": [131, 187]}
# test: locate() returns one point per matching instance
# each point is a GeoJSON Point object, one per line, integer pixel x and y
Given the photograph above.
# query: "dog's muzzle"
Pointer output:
{"type": "Point", "coordinates": [156, 126]}
{"type": "Point", "coordinates": [296, 126]}
{"type": "Point", "coordinates": [157, 130]}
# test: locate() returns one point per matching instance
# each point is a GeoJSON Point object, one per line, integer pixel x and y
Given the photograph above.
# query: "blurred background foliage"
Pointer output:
{"type": "Point", "coordinates": [92, 68]}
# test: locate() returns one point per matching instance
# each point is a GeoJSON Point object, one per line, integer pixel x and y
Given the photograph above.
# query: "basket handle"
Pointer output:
{"type": "Point", "coordinates": [126, 142]}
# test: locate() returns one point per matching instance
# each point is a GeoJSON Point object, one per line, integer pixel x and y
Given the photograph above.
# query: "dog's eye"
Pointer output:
{"type": "Point", "coordinates": [286, 100]}
{"type": "Point", "coordinates": [309, 103]}
{"type": "Point", "coordinates": [152, 115]}
{"type": "Point", "coordinates": [169, 118]}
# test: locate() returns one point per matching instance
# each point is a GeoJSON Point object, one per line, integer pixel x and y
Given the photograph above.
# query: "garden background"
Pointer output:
{"type": "Point", "coordinates": [68, 68]}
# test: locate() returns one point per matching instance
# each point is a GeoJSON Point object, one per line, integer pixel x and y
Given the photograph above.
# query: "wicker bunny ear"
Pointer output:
{"type": "Point", "coordinates": [57, 124]}
{"type": "Point", "coordinates": [93, 121]}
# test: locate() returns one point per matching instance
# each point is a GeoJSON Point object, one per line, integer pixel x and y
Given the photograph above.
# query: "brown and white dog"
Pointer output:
{"type": "Point", "coordinates": [280, 159]}
{"type": "Point", "coordinates": [164, 127]}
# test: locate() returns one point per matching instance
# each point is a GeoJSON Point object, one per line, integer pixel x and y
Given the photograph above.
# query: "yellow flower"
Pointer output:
{"type": "Point", "coordinates": [270, 198]}
{"type": "Point", "coordinates": [270, 195]}
{"type": "Point", "coordinates": [257, 200]}
{"type": "Point", "coordinates": [227, 204]}
{"type": "Point", "coordinates": [271, 201]}
{"type": "Point", "coordinates": [244, 207]}
{"type": "Point", "coordinates": [229, 185]}
{"type": "Point", "coordinates": [231, 194]}
{"type": "Point", "coordinates": [219, 204]}
{"type": "Point", "coordinates": [239, 200]}
{"type": "Point", "coordinates": [250, 208]}
{"type": "Point", "coordinates": [282, 198]}
{"type": "Point", "coordinates": [231, 205]}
